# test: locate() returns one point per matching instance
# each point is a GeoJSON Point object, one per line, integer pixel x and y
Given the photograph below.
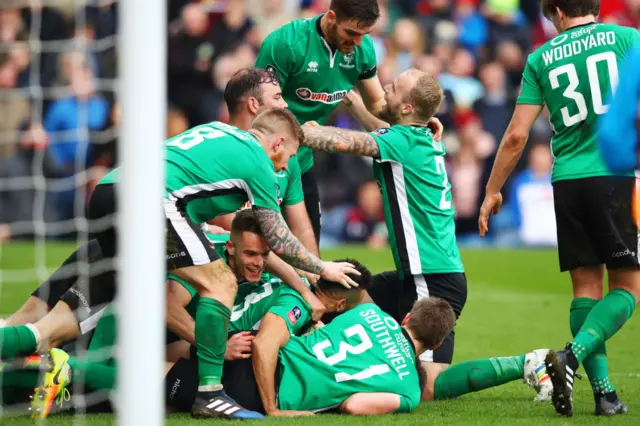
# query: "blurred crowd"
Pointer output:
{"type": "Point", "coordinates": [58, 75]}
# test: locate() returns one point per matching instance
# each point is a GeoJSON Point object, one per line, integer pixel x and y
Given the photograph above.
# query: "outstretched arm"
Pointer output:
{"type": "Point", "coordinates": [333, 139]}
{"type": "Point", "coordinates": [290, 249]}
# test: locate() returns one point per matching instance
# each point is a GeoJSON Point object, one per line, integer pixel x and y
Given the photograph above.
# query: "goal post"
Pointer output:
{"type": "Point", "coordinates": [141, 303]}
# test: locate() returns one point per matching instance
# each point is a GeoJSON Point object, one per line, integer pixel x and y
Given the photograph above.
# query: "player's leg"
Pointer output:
{"type": "Point", "coordinates": [191, 257]}
{"type": "Point", "coordinates": [49, 292]}
{"type": "Point", "coordinates": [74, 316]}
{"type": "Point", "coordinates": [312, 201]}
{"type": "Point", "coordinates": [474, 376]}
{"type": "Point", "coordinates": [453, 289]}
{"type": "Point", "coordinates": [586, 231]}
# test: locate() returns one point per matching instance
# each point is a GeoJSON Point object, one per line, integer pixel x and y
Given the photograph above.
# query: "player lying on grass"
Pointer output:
{"type": "Point", "coordinates": [595, 209]}
{"type": "Point", "coordinates": [409, 166]}
{"type": "Point", "coordinates": [256, 306]}
{"type": "Point", "coordinates": [246, 255]}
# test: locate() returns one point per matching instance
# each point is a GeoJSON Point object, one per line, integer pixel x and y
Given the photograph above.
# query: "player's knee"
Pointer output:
{"type": "Point", "coordinates": [588, 282]}
{"type": "Point", "coordinates": [626, 279]}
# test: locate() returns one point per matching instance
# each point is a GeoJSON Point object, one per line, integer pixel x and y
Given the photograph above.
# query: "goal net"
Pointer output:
{"type": "Point", "coordinates": [82, 89]}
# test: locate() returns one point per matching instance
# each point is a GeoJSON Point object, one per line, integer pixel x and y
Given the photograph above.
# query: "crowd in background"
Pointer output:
{"type": "Point", "coordinates": [58, 75]}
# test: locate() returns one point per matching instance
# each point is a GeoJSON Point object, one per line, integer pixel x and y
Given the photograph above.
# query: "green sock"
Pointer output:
{"type": "Point", "coordinates": [595, 365]}
{"type": "Point", "coordinates": [15, 341]}
{"type": "Point", "coordinates": [604, 320]}
{"type": "Point", "coordinates": [94, 375]}
{"type": "Point", "coordinates": [212, 325]}
{"type": "Point", "coordinates": [473, 376]}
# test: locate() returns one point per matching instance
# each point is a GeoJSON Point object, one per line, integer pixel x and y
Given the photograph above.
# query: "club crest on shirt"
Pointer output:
{"type": "Point", "coordinates": [294, 314]}
{"type": "Point", "coordinates": [381, 132]}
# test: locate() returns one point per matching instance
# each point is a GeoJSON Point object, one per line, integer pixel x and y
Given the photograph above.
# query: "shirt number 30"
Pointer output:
{"type": "Point", "coordinates": [594, 82]}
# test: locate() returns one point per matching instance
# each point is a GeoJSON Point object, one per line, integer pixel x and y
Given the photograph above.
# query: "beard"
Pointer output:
{"type": "Point", "coordinates": [386, 114]}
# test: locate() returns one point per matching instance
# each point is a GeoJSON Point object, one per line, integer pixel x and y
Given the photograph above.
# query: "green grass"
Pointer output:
{"type": "Point", "coordinates": [518, 301]}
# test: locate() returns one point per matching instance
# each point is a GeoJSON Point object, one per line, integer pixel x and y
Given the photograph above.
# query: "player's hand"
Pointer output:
{"type": "Point", "coordinates": [311, 124]}
{"type": "Point", "coordinates": [239, 346]}
{"type": "Point", "coordinates": [317, 308]}
{"type": "Point", "coordinates": [437, 128]}
{"type": "Point", "coordinates": [352, 99]}
{"type": "Point", "coordinates": [337, 272]}
{"type": "Point", "coordinates": [491, 204]}
{"type": "Point", "coordinates": [312, 278]}
{"type": "Point", "coordinates": [290, 413]}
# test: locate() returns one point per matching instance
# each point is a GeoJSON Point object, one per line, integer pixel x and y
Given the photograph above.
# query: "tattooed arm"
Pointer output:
{"type": "Point", "coordinates": [284, 243]}
{"type": "Point", "coordinates": [333, 139]}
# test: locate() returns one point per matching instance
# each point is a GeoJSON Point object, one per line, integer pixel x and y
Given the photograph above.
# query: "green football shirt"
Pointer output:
{"type": "Point", "coordinates": [314, 76]}
{"type": "Point", "coordinates": [289, 185]}
{"type": "Point", "coordinates": [418, 208]}
{"type": "Point", "coordinates": [363, 350]}
{"type": "Point", "coordinates": [572, 75]}
{"type": "Point", "coordinates": [216, 168]}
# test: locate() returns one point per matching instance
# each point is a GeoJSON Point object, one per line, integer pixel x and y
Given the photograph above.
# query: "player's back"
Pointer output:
{"type": "Point", "coordinates": [576, 72]}
{"type": "Point", "coordinates": [210, 161]}
{"type": "Point", "coordinates": [361, 350]}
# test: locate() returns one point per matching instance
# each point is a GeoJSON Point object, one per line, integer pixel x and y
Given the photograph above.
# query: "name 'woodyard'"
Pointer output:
{"type": "Point", "coordinates": [577, 46]}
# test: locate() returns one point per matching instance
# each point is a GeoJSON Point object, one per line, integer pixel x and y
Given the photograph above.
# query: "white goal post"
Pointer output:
{"type": "Point", "coordinates": [141, 302]}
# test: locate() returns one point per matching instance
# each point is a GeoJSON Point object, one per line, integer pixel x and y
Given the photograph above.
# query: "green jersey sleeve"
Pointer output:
{"type": "Point", "coordinates": [293, 194]}
{"type": "Point", "coordinates": [293, 310]}
{"type": "Point", "coordinates": [393, 145]}
{"type": "Point", "coordinates": [192, 291]}
{"type": "Point", "coordinates": [530, 92]}
{"type": "Point", "coordinates": [263, 187]}
{"type": "Point", "coordinates": [277, 56]}
{"type": "Point", "coordinates": [369, 64]}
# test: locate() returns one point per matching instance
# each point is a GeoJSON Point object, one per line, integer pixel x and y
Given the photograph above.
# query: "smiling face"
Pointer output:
{"type": "Point", "coordinates": [249, 252]}
{"type": "Point", "coordinates": [346, 34]}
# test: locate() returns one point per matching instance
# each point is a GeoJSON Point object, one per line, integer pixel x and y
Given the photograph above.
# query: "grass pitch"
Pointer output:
{"type": "Point", "coordinates": [518, 301]}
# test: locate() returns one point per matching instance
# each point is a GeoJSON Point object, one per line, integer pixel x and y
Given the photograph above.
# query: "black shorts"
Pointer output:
{"type": "Point", "coordinates": [312, 200]}
{"type": "Point", "coordinates": [596, 222]}
{"type": "Point", "coordinates": [68, 274]}
{"type": "Point", "coordinates": [186, 243]}
{"type": "Point", "coordinates": [396, 297]}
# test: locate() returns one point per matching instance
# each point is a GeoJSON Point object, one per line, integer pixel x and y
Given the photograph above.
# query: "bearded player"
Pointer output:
{"type": "Point", "coordinates": [572, 75]}
{"type": "Point", "coordinates": [410, 169]}
{"type": "Point", "coordinates": [318, 61]}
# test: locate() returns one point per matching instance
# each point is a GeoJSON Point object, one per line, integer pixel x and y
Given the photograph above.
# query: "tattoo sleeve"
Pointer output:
{"type": "Point", "coordinates": [333, 139]}
{"type": "Point", "coordinates": [284, 243]}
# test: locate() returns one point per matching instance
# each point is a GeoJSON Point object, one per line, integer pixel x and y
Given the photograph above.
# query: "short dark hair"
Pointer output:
{"type": "Point", "coordinates": [572, 8]}
{"type": "Point", "coordinates": [426, 96]}
{"type": "Point", "coordinates": [271, 122]}
{"type": "Point", "coordinates": [244, 84]}
{"type": "Point", "coordinates": [246, 220]}
{"type": "Point", "coordinates": [431, 320]}
{"type": "Point", "coordinates": [364, 280]}
{"type": "Point", "coordinates": [365, 12]}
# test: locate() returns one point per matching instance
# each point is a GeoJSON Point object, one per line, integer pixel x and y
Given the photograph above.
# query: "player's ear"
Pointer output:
{"type": "Point", "coordinates": [331, 17]}
{"type": "Point", "coordinates": [253, 105]}
{"type": "Point", "coordinates": [341, 305]}
{"type": "Point", "coordinates": [405, 321]}
{"type": "Point", "coordinates": [406, 109]}
{"type": "Point", "coordinates": [229, 246]}
{"type": "Point", "coordinates": [277, 144]}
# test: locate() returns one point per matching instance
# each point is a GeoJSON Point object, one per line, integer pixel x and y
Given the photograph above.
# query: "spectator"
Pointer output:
{"type": "Point", "coordinates": [269, 15]}
{"type": "Point", "coordinates": [467, 167]}
{"type": "Point", "coordinates": [460, 81]}
{"type": "Point", "coordinates": [473, 28]}
{"type": "Point", "coordinates": [406, 44]}
{"type": "Point", "coordinates": [191, 53]}
{"type": "Point", "coordinates": [531, 200]}
{"type": "Point", "coordinates": [362, 222]}
{"type": "Point", "coordinates": [512, 58]}
{"type": "Point", "coordinates": [21, 189]}
{"type": "Point", "coordinates": [68, 122]}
